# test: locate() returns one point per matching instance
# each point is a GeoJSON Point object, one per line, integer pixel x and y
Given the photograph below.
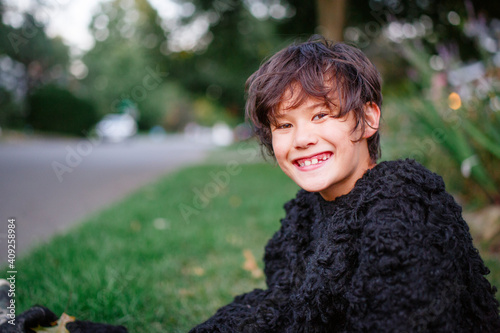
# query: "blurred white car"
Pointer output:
{"type": "Point", "coordinates": [116, 127]}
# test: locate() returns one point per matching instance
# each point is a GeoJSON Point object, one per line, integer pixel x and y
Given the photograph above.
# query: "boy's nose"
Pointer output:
{"type": "Point", "coordinates": [304, 137]}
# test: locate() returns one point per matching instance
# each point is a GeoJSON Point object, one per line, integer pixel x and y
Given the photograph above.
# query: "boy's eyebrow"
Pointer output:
{"type": "Point", "coordinates": [281, 114]}
{"type": "Point", "coordinates": [322, 105]}
{"type": "Point", "coordinates": [313, 106]}
{"type": "Point", "coordinates": [319, 104]}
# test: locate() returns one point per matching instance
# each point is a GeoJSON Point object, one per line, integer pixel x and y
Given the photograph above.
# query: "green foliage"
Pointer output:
{"type": "Point", "coordinates": [11, 115]}
{"type": "Point", "coordinates": [466, 130]}
{"type": "Point", "coordinates": [203, 84]}
{"type": "Point", "coordinates": [30, 43]}
{"type": "Point", "coordinates": [483, 129]}
{"type": "Point", "coordinates": [53, 109]}
{"type": "Point", "coordinates": [239, 43]}
{"type": "Point", "coordinates": [437, 110]}
{"type": "Point", "coordinates": [117, 71]}
{"type": "Point", "coordinates": [125, 64]}
{"type": "Point", "coordinates": [33, 59]}
{"type": "Point", "coordinates": [30, 46]}
{"type": "Point", "coordinates": [169, 106]}
{"type": "Point", "coordinates": [303, 23]}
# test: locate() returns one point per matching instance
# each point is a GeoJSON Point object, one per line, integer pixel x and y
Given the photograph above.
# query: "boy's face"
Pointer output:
{"type": "Point", "coordinates": [318, 152]}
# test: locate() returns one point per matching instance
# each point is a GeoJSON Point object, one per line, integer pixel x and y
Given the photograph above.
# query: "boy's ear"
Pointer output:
{"type": "Point", "coordinates": [372, 116]}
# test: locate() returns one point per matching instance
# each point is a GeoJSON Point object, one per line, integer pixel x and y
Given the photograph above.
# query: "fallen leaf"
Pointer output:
{"type": "Point", "coordinates": [59, 326]}
{"type": "Point", "coordinates": [198, 271]}
{"type": "Point", "coordinates": [235, 201]}
{"type": "Point", "coordinates": [186, 292]}
{"type": "Point", "coordinates": [193, 270]}
{"type": "Point", "coordinates": [250, 264]}
{"type": "Point", "coordinates": [135, 226]}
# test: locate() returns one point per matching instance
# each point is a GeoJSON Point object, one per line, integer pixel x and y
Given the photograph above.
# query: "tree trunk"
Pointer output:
{"type": "Point", "coordinates": [331, 18]}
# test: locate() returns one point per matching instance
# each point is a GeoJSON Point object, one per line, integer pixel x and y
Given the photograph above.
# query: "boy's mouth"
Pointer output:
{"type": "Point", "coordinates": [312, 160]}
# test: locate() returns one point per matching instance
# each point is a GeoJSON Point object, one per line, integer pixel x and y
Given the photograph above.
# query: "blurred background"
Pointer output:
{"type": "Point", "coordinates": [116, 70]}
{"type": "Point", "coordinates": [120, 69]}
{"type": "Point", "coordinates": [98, 98]}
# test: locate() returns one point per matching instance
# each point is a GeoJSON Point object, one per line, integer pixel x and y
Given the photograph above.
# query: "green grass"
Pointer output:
{"type": "Point", "coordinates": [141, 263]}
{"type": "Point", "coordinates": [117, 267]}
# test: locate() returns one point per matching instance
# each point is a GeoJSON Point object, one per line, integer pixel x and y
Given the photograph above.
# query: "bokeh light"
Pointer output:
{"type": "Point", "coordinates": [454, 101]}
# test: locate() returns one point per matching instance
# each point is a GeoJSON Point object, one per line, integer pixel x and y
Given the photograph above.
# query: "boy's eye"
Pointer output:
{"type": "Point", "coordinates": [320, 115]}
{"type": "Point", "coordinates": [284, 126]}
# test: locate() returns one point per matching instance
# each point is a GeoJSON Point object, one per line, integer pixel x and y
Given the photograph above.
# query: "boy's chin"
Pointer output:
{"type": "Point", "coordinates": [312, 184]}
{"type": "Point", "coordinates": [311, 187]}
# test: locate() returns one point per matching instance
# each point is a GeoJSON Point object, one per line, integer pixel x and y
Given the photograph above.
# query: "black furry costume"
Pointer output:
{"type": "Point", "coordinates": [393, 255]}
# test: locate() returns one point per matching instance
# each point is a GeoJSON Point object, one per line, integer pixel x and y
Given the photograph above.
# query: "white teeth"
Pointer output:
{"type": "Point", "coordinates": [313, 161]}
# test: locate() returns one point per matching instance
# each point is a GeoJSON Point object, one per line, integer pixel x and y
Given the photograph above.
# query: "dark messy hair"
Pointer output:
{"type": "Point", "coordinates": [337, 73]}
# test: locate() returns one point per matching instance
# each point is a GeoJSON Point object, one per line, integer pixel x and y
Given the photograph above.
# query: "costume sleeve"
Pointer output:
{"type": "Point", "coordinates": [419, 271]}
{"type": "Point", "coordinates": [256, 311]}
{"type": "Point", "coordinates": [263, 310]}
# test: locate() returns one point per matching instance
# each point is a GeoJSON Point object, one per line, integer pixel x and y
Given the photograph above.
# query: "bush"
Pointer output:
{"type": "Point", "coordinates": [452, 109]}
{"type": "Point", "coordinates": [53, 109]}
{"type": "Point", "coordinates": [11, 115]}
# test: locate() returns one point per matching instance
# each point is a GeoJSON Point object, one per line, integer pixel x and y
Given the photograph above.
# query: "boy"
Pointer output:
{"type": "Point", "coordinates": [363, 247]}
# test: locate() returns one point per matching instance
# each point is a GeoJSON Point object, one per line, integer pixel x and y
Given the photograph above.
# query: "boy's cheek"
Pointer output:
{"type": "Point", "coordinates": [284, 166]}
{"type": "Point", "coordinates": [280, 155]}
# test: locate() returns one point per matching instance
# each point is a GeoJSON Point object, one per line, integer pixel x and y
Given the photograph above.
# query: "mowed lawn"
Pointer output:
{"type": "Point", "coordinates": [166, 257]}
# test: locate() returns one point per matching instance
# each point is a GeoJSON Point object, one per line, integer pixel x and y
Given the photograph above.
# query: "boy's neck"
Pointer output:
{"type": "Point", "coordinates": [331, 194]}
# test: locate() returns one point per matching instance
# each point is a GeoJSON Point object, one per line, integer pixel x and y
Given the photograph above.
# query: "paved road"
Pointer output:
{"type": "Point", "coordinates": [48, 184]}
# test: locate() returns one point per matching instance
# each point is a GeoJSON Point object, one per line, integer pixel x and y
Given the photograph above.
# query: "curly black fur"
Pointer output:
{"type": "Point", "coordinates": [393, 255]}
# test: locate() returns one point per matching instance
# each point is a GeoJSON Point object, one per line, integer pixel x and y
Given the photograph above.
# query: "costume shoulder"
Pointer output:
{"type": "Point", "coordinates": [402, 177]}
{"type": "Point", "coordinates": [408, 192]}
{"type": "Point", "coordinates": [408, 205]}
{"type": "Point", "coordinates": [418, 267]}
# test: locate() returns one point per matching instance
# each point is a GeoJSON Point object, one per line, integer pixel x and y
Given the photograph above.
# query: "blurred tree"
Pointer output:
{"type": "Point", "coordinates": [44, 58]}
{"type": "Point", "coordinates": [331, 18]}
{"type": "Point", "coordinates": [29, 59]}
{"type": "Point", "coordinates": [238, 42]}
{"type": "Point", "coordinates": [302, 23]}
{"type": "Point", "coordinates": [125, 62]}
{"type": "Point", "coordinates": [152, 36]}
{"type": "Point", "coordinates": [132, 41]}
{"type": "Point", "coordinates": [442, 17]}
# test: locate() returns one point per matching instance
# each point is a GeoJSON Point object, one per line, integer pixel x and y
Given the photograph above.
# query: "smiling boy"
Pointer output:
{"type": "Point", "coordinates": [364, 247]}
{"type": "Point", "coordinates": [321, 152]}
